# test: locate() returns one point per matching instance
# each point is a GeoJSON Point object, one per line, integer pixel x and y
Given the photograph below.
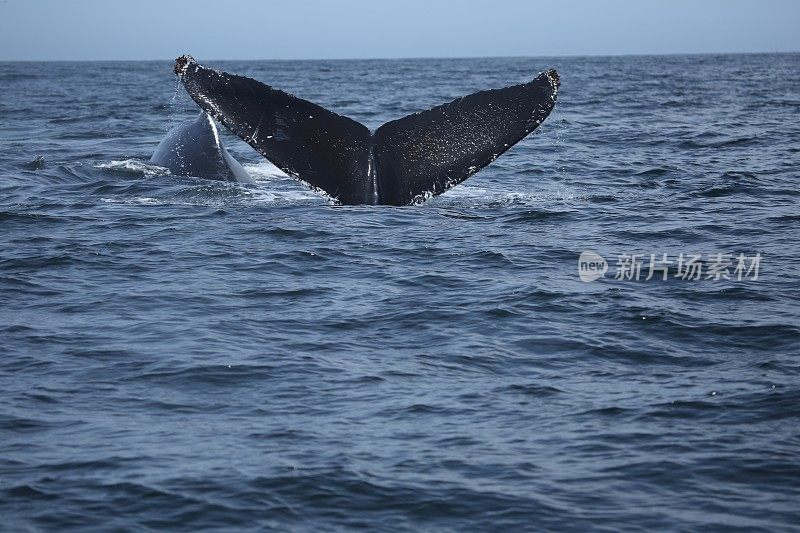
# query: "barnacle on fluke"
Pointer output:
{"type": "Point", "coordinates": [181, 63]}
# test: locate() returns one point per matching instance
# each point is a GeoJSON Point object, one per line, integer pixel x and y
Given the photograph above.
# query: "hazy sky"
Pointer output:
{"type": "Point", "coordinates": [252, 29]}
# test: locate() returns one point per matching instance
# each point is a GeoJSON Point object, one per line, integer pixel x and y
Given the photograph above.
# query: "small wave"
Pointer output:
{"type": "Point", "coordinates": [534, 215]}
{"type": "Point", "coordinates": [654, 172]}
{"type": "Point", "coordinates": [133, 167]}
{"type": "Point", "coordinates": [19, 76]}
{"type": "Point", "coordinates": [28, 492]}
{"type": "Point", "coordinates": [715, 142]}
{"type": "Point", "coordinates": [735, 183]}
{"type": "Point", "coordinates": [531, 389]}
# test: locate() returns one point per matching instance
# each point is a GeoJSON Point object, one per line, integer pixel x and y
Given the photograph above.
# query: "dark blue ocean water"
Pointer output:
{"type": "Point", "coordinates": [185, 354]}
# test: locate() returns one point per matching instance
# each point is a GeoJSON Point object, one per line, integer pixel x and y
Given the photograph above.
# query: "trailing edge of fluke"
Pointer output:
{"type": "Point", "coordinates": [402, 162]}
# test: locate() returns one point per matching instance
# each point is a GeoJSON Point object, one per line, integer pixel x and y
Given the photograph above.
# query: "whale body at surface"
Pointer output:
{"type": "Point", "coordinates": [195, 149]}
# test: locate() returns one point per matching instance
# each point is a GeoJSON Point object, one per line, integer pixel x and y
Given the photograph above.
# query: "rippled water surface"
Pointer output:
{"type": "Point", "coordinates": [186, 354]}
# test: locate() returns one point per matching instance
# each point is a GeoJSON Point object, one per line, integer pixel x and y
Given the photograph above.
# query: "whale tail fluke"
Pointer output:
{"type": "Point", "coordinates": [427, 153]}
{"type": "Point", "coordinates": [326, 150]}
{"type": "Point", "coordinates": [404, 160]}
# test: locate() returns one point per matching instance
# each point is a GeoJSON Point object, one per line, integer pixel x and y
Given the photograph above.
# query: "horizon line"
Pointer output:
{"type": "Point", "coordinates": [407, 58]}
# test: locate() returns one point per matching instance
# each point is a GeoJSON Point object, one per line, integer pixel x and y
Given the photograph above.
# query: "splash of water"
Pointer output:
{"type": "Point", "coordinates": [171, 119]}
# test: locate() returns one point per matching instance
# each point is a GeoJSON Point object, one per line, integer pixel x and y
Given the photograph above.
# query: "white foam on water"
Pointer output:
{"type": "Point", "coordinates": [265, 171]}
{"type": "Point", "coordinates": [134, 165]}
{"type": "Point", "coordinates": [276, 187]}
{"type": "Point", "coordinates": [476, 196]}
{"type": "Point", "coordinates": [136, 200]}
{"type": "Point", "coordinates": [299, 196]}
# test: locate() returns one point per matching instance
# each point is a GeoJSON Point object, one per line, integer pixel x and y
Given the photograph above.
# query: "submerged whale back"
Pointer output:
{"type": "Point", "coordinates": [404, 160]}
{"type": "Point", "coordinates": [195, 149]}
